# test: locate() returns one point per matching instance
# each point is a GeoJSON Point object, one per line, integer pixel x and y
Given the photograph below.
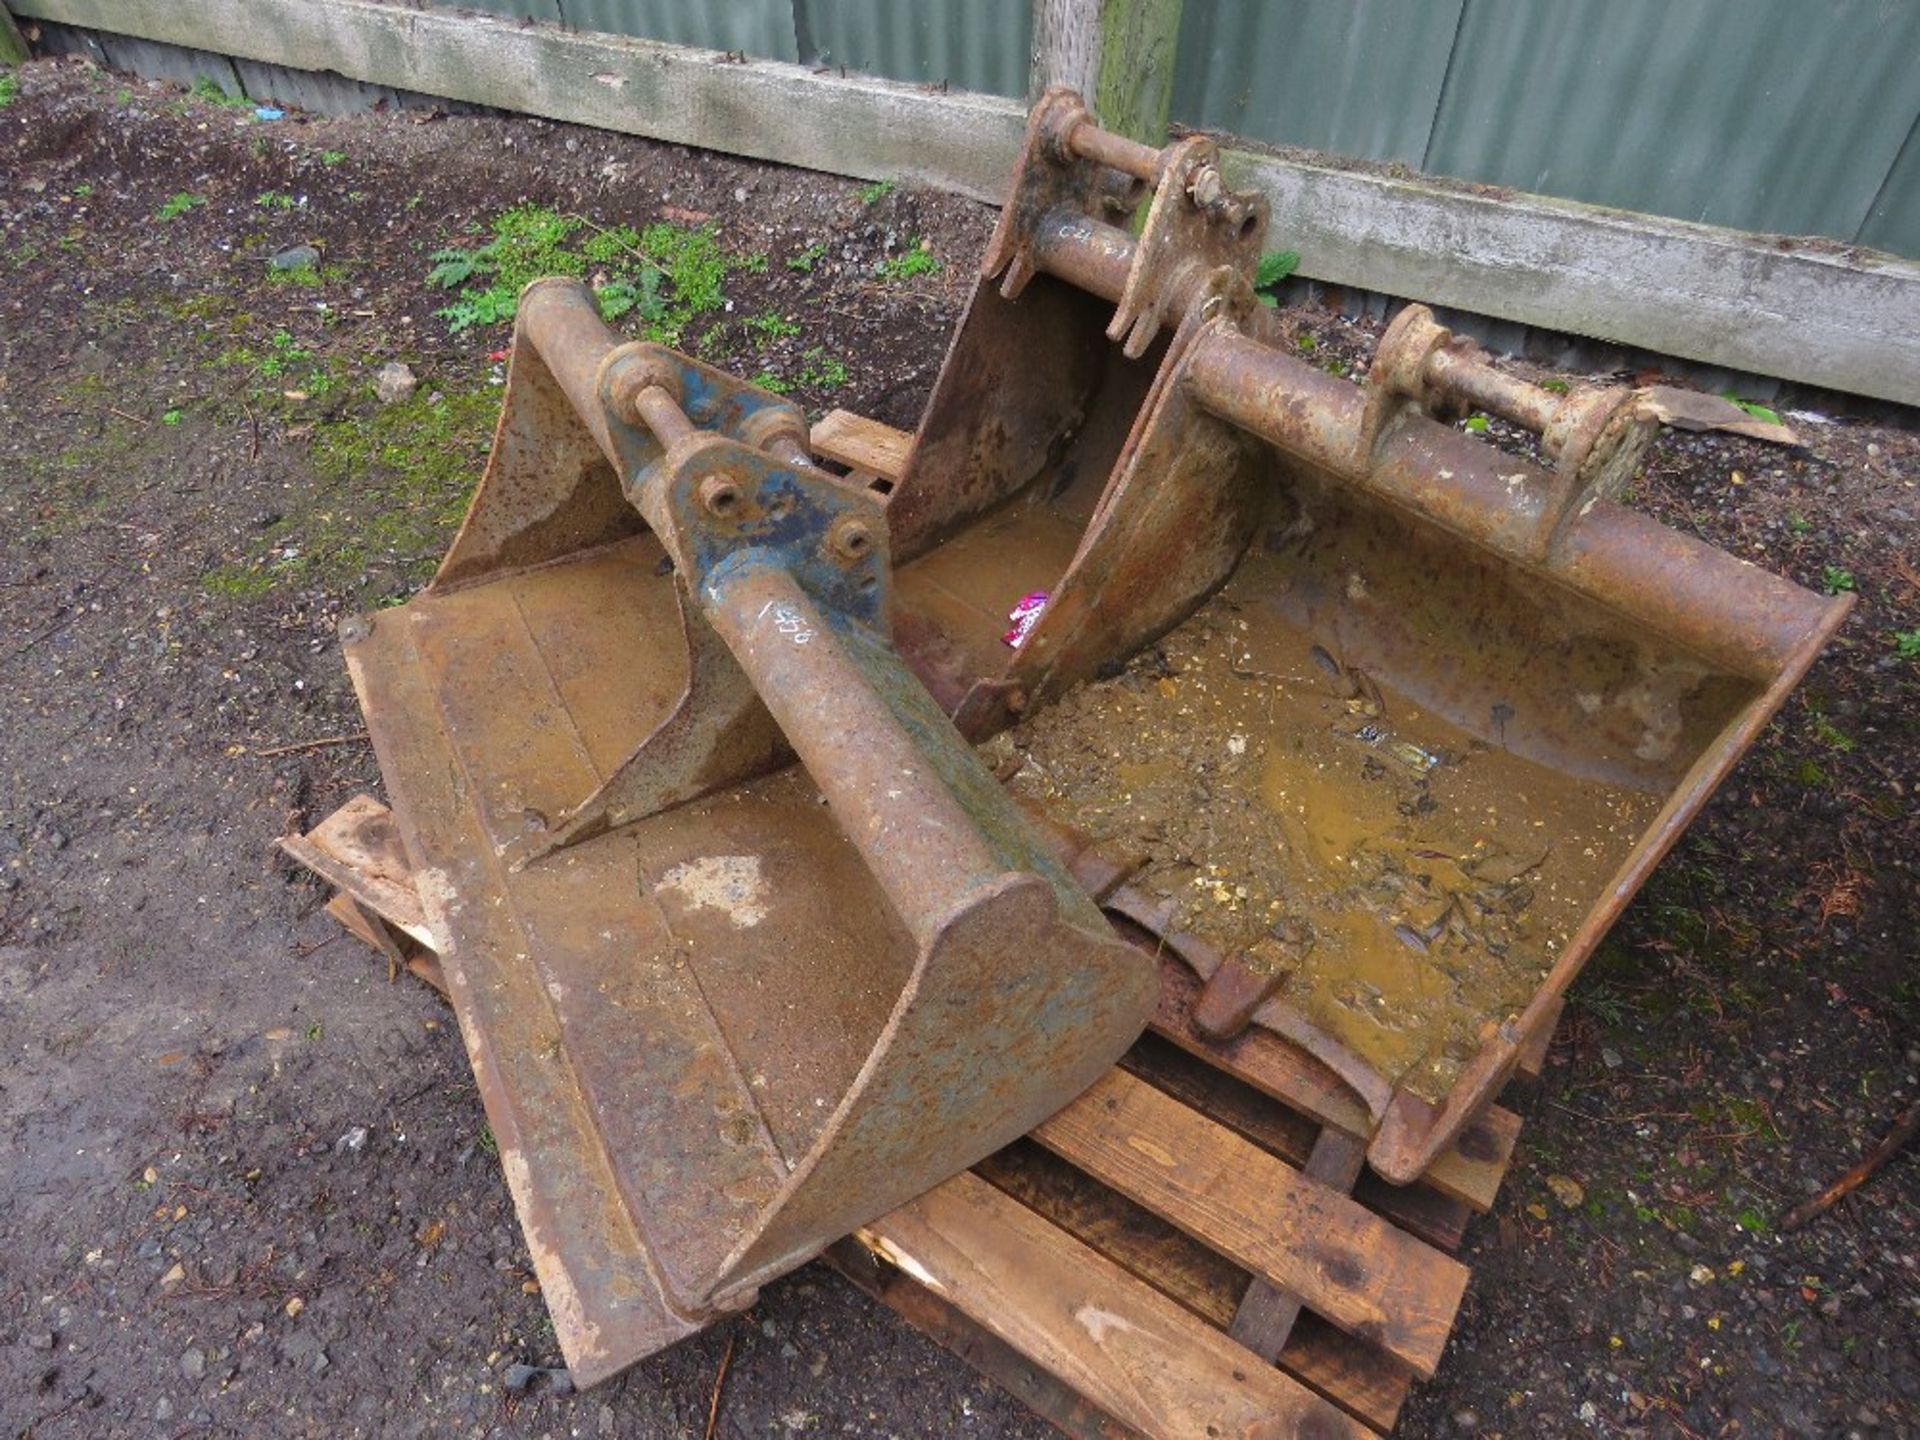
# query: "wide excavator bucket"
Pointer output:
{"type": "Point", "coordinates": [1444, 706]}
{"type": "Point", "coordinates": [747, 942]}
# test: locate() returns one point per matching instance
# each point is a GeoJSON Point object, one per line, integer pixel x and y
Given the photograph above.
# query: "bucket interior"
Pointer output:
{"type": "Point", "coordinates": [1397, 769]}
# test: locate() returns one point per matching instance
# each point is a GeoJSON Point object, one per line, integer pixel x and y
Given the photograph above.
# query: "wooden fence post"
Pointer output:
{"type": "Point", "coordinates": [13, 47]}
{"type": "Point", "coordinates": [1117, 53]}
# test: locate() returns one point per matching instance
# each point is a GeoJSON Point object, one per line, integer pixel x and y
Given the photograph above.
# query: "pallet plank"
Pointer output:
{"type": "Point", "coordinates": [357, 850]}
{"type": "Point", "coordinates": [986, 1352]}
{"type": "Point", "coordinates": [1471, 1171]}
{"type": "Point", "coordinates": [1418, 1209]}
{"type": "Point", "coordinates": [1264, 1322]}
{"type": "Point", "coordinates": [1128, 1349]}
{"type": "Point", "coordinates": [1358, 1377]}
{"type": "Point", "coordinates": [861, 444]}
{"type": "Point", "coordinates": [1348, 1264]}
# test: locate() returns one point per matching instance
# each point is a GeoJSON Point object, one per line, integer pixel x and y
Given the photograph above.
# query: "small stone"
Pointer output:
{"type": "Point", "coordinates": [1589, 1414]}
{"type": "Point", "coordinates": [294, 1307]}
{"type": "Point", "coordinates": [1466, 1420]}
{"type": "Point", "coordinates": [394, 383]}
{"type": "Point", "coordinates": [40, 1340]}
{"type": "Point", "coordinates": [320, 1362]}
{"type": "Point", "coordinates": [163, 1411]}
{"type": "Point", "coordinates": [193, 1364]}
{"type": "Point", "coordinates": [608, 1424]}
{"type": "Point", "coordinates": [521, 1378]}
{"type": "Point", "coordinates": [740, 195]}
{"type": "Point", "coordinates": [174, 1276]}
{"type": "Point", "coordinates": [1610, 1057]}
{"type": "Point", "coordinates": [294, 257]}
{"type": "Point", "coordinates": [355, 1140]}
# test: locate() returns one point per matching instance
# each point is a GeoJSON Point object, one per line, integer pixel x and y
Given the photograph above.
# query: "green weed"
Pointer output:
{"type": "Point", "coordinates": [769, 326]}
{"type": "Point", "coordinates": [330, 158]}
{"type": "Point", "coordinates": [1799, 524]}
{"type": "Point", "coordinates": [9, 88]}
{"type": "Point", "coordinates": [821, 371]}
{"type": "Point", "coordinates": [274, 200]}
{"type": "Point", "coordinates": [1274, 267]}
{"type": "Point", "coordinates": [1477, 424]}
{"type": "Point", "coordinates": [210, 91]}
{"type": "Point", "coordinates": [172, 417]}
{"type": "Point", "coordinates": [1757, 411]}
{"type": "Point", "coordinates": [179, 204]}
{"type": "Point", "coordinates": [1809, 773]}
{"type": "Point", "coordinates": [805, 260]}
{"type": "Point", "coordinates": [1906, 644]}
{"type": "Point", "coordinates": [1556, 387]}
{"type": "Point", "coordinates": [767, 380]}
{"type": "Point", "coordinates": [283, 353]}
{"type": "Point", "coordinates": [1306, 344]}
{"type": "Point", "coordinates": [1833, 738]}
{"type": "Point", "coordinates": [666, 275]}
{"type": "Point", "coordinates": [915, 261]}
{"type": "Point", "coordinates": [1836, 578]}
{"type": "Point", "coordinates": [874, 193]}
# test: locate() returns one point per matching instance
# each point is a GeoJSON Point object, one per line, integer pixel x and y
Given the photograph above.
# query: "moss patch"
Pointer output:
{"type": "Point", "coordinates": [392, 485]}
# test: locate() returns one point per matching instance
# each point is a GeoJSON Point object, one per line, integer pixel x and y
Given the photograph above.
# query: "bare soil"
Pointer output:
{"type": "Point", "coordinates": [247, 1184]}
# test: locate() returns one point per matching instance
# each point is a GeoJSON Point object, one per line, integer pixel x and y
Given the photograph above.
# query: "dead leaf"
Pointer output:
{"type": "Point", "coordinates": [1568, 1191]}
{"type": "Point", "coordinates": [1693, 410]}
{"type": "Point", "coordinates": [429, 1235]}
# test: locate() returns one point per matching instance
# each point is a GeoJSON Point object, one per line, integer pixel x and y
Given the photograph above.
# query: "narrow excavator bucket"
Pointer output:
{"type": "Point", "coordinates": [748, 943]}
{"type": "Point", "coordinates": [717, 1023]}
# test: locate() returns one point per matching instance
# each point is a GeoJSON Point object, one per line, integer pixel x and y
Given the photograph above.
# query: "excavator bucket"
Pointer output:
{"type": "Point", "coordinates": [1416, 716]}
{"type": "Point", "coordinates": [1371, 725]}
{"type": "Point", "coordinates": [723, 1008]}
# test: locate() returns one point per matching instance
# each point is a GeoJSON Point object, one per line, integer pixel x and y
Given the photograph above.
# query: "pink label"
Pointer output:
{"type": "Point", "coordinates": [1024, 616]}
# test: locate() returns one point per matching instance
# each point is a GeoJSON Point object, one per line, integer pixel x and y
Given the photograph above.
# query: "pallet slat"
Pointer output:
{"type": "Point", "coordinates": [1418, 1209]}
{"type": "Point", "coordinates": [861, 444]}
{"type": "Point", "coordinates": [1266, 1316]}
{"type": "Point", "coordinates": [1119, 1343]}
{"type": "Point", "coordinates": [1471, 1171]}
{"type": "Point", "coordinates": [1356, 1376]}
{"type": "Point", "coordinates": [1348, 1264]}
{"type": "Point", "coordinates": [357, 850]}
{"type": "Point", "coordinates": [986, 1352]}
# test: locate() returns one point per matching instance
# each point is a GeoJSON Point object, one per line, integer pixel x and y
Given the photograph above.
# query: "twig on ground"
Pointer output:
{"type": "Point", "coordinates": [1904, 1130]}
{"type": "Point", "coordinates": [273, 750]}
{"type": "Point", "coordinates": [720, 1385]}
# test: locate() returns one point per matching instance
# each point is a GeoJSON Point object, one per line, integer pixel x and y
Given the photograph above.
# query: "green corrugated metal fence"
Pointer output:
{"type": "Point", "coordinates": [1795, 116]}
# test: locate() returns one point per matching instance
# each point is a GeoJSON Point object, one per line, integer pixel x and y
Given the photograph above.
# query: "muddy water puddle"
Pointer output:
{"type": "Point", "coordinates": [1417, 880]}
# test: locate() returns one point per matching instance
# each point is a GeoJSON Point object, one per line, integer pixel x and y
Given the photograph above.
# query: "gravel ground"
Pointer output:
{"type": "Point", "coordinates": [248, 1188]}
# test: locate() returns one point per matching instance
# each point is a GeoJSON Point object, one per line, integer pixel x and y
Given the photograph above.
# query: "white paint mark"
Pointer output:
{"type": "Point", "coordinates": [1100, 1323]}
{"type": "Point", "coordinates": [1236, 744]}
{"type": "Point", "coordinates": [611, 80]}
{"type": "Point", "coordinates": [730, 883]}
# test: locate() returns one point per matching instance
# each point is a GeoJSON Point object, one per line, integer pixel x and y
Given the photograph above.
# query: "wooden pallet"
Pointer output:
{"type": "Point", "coordinates": [1192, 1248]}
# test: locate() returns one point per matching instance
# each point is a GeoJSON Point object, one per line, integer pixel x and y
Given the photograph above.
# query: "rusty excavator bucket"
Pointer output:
{"type": "Point", "coordinates": [1371, 725]}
